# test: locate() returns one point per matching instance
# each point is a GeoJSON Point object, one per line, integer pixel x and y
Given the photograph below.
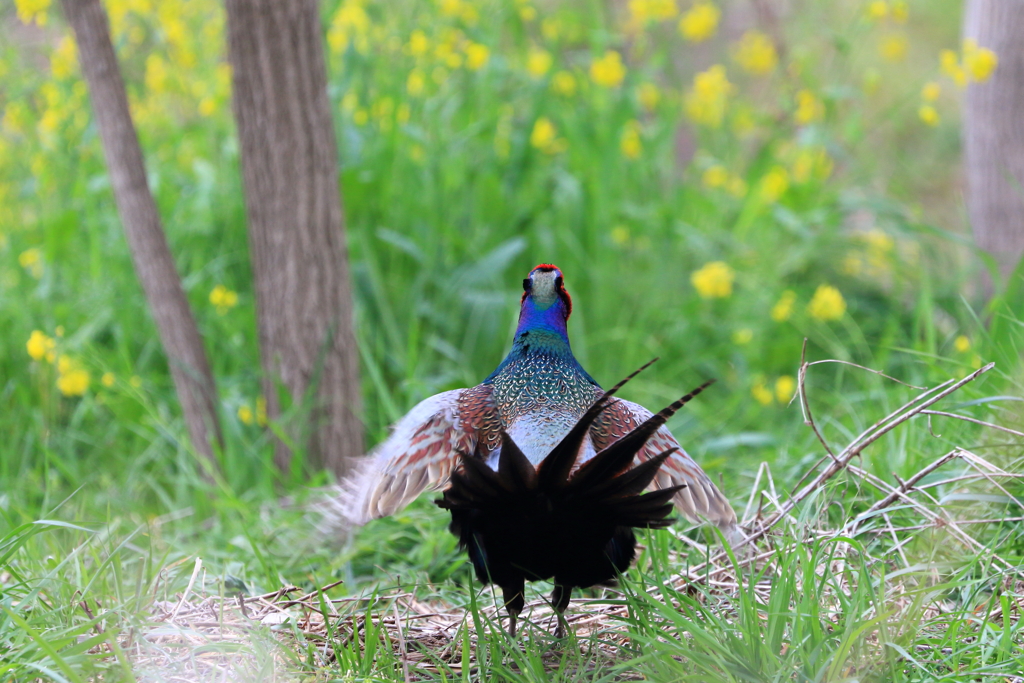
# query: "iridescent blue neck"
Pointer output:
{"type": "Point", "coordinates": [547, 322]}
{"type": "Point", "coordinates": [541, 331]}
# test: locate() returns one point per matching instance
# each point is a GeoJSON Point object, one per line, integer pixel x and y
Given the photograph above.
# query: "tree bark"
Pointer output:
{"type": "Point", "coordinates": [151, 256]}
{"type": "Point", "coordinates": [994, 132]}
{"type": "Point", "coordinates": [296, 232]}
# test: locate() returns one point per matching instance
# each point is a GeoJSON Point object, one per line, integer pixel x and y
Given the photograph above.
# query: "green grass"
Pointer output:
{"type": "Point", "coordinates": [104, 504]}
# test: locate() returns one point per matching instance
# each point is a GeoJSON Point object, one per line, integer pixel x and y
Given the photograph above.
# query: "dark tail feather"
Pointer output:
{"type": "Point", "coordinates": [557, 465]}
{"type": "Point", "coordinates": [650, 510]}
{"type": "Point", "coordinates": [617, 457]}
{"type": "Point", "coordinates": [473, 482]}
{"type": "Point", "coordinates": [629, 483]}
{"type": "Point", "coordinates": [515, 472]}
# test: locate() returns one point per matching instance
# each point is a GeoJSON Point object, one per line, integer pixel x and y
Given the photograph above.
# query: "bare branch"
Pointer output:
{"type": "Point", "coordinates": [971, 419]}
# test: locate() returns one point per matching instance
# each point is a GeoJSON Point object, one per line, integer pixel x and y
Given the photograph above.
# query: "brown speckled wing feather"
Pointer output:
{"type": "Point", "coordinates": [701, 500]}
{"type": "Point", "coordinates": [420, 453]}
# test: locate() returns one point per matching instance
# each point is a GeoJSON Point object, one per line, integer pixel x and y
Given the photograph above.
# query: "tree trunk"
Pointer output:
{"type": "Point", "coordinates": [146, 240]}
{"type": "Point", "coordinates": [296, 231]}
{"type": "Point", "coordinates": [994, 132]}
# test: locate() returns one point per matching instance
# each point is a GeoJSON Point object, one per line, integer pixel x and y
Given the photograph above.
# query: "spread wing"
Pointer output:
{"type": "Point", "coordinates": [701, 500]}
{"type": "Point", "coordinates": [419, 455]}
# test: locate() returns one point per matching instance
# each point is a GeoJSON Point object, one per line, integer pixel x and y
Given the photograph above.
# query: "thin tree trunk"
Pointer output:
{"type": "Point", "coordinates": [146, 240]}
{"type": "Point", "coordinates": [296, 230]}
{"type": "Point", "coordinates": [994, 132]}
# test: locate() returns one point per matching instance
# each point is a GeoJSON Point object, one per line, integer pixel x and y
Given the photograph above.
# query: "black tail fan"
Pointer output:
{"type": "Point", "coordinates": [521, 523]}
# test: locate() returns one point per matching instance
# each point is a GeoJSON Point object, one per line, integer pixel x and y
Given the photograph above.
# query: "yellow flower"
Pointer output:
{"type": "Point", "coordinates": [156, 74]}
{"type": "Point", "coordinates": [761, 393]}
{"type": "Point", "coordinates": [564, 83]}
{"type": "Point", "coordinates": [878, 10]}
{"type": "Point", "coordinates": [261, 411]}
{"type": "Point", "coordinates": [59, 331]}
{"type": "Point", "coordinates": [403, 113]}
{"type": "Point", "coordinates": [742, 336]}
{"type": "Point", "coordinates": [714, 280]}
{"type": "Point", "coordinates": [630, 143]}
{"type": "Point", "coordinates": [756, 53]}
{"type": "Point", "coordinates": [950, 65]}
{"type": "Point", "coordinates": [245, 414]}
{"type": "Point", "coordinates": [931, 91]}
{"type": "Point", "coordinates": [705, 103]}
{"type": "Point", "coordinates": [417, 153]}
{"type": "Point", "coordinates": [785, 387]}
{"type": "Point", "coordinates": [350, 21]}
{"type": "Point", "coordinates": [980, 62]}
{"type": "Point", "coordinates": [900, 11]}
{"type": "Point", "coordinates": [880, 245]}
{"type": "Point", "coordinates": [415, 83]}
{"type": "Point", "coordinates": [477, 56]}
{"type": "Point", "coordinates": [223, 298]}
{"type": "Point", "coordinates": [774, 183]}
{"type": "Point", "coordinates": [39, 345]}
{"type": "Point", "coordinates": [737, 187]}
{"type": "Point", "coordinates": [72, 380]}
{"type": "Point", "coordinates": [928, 114]}
{"type": "Point", "coordinates": [32, 261]}
{"type": "Point", "coordinates": [811, 162]}
{"type": "Point", "coordinates": [108, 379]}
{"type": "Point", "coordinates": [538, 62]}
{"type": "Point", "coordinates": [962, 344]}
{"type": "Point", "coordinates": [135, 381]}
{"type": "Point", "coordinates": [700, 22]}
{"type": "Point", "coordinates": [451, 8]}
{"type": "Point", "coordinates": [550, 29]}
{"type": "Point", "coordinates": [73, 383]}
{"type": "Point", "coordinates": [360, 117]}
{"type": "Point", "coordinates": [30, 11]}
{"type": "Point", "coordinates": [893, 47]}
{"type": "Point", "coordinates": [715, 176]}
{"type": "Point", "coordinates": [827, 303]}
{"type": "Point", "coordinates": [878, 241]}
{"type": "Point", "coordinates": [527, 12]}
{"type": "Point", "coordinates": [64, 59]}
{"type": "Point", "coordinates": [608, 71]}
{"type": "Point", "coordinates": [418, 44]}
{"type": "Point", "coordinates": [620, 235]}
{"type": "Point", "coordinates": [853, 264]}
{"type": "Point", "coordinates": [649, 96]}
{"type": "Point", "coordinates": [643, 11]}
{"type": "Point", "coordinates": [783, 308]}
{"type": "Point", "coordinates": [808, 108]}
{"type": "Point", "coordinates": [545, 137]}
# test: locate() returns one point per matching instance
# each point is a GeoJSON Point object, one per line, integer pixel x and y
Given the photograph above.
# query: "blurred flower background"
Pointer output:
{"type": "Point", "coordinates": [718, 181]}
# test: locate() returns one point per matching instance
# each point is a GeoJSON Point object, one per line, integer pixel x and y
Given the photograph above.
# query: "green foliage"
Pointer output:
{"type": "Point", "coordinates": [714, 218]}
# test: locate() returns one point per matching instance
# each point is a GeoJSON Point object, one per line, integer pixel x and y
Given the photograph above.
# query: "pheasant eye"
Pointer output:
{"type": "Point", "coordinates": [558, 282]}
{"type": "Point", "coordinates": [527, 283]}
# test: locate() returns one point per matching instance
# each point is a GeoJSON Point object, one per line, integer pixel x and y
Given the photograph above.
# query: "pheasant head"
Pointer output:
{"type": "Point", "coordinates": [545, 303]}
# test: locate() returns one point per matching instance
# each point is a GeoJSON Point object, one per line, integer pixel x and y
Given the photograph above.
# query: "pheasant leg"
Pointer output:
{"type": "Point", "coordinates": [560, 597]}
{"type": "Point", "coordinates": [514, 602]}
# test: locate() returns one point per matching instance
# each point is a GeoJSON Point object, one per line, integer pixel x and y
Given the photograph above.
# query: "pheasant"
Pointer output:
{"type": "Point", "coordinates": [559, 521]}
{"type": "Point", "coordinates": [533, 399]}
